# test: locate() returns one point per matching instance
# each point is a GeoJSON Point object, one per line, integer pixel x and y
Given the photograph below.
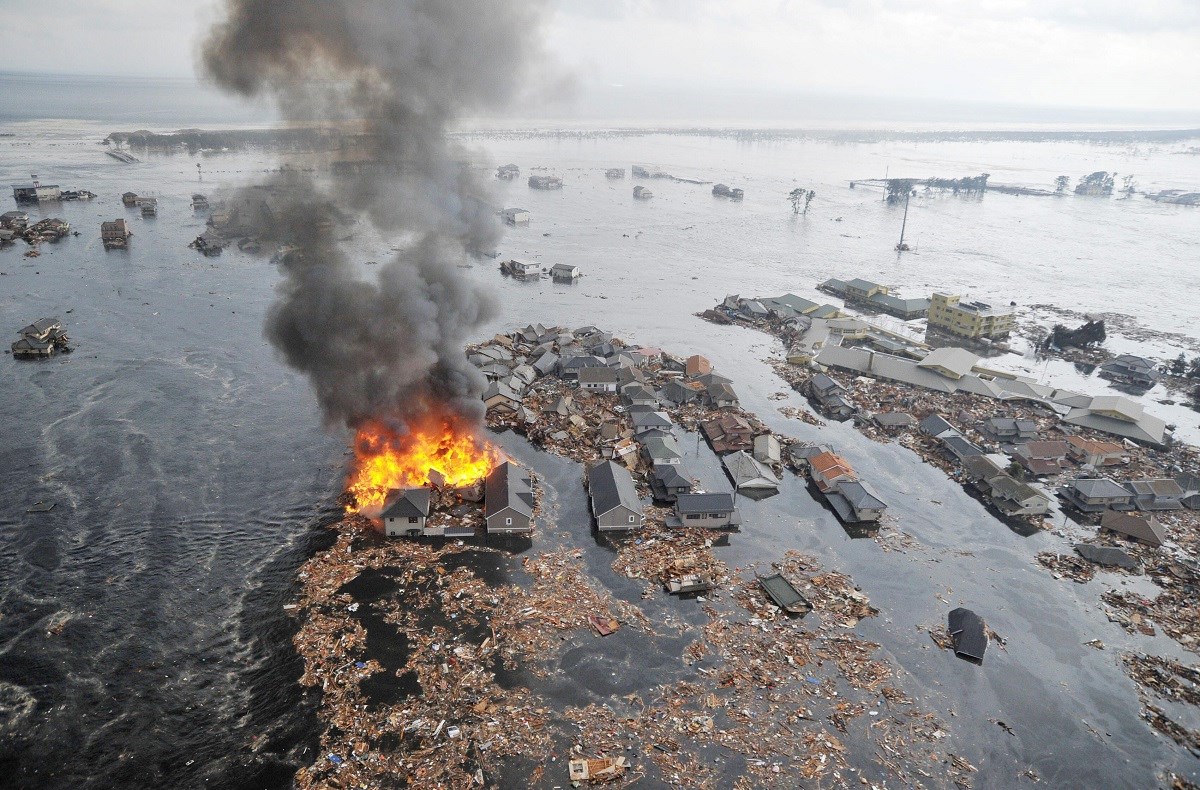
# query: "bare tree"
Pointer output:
{"type": "Point", "coordinates": [797, 195]}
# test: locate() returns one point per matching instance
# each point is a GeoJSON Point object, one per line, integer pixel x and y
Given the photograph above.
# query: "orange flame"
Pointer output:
{"type": "Point", "coordinates": [385, 459]}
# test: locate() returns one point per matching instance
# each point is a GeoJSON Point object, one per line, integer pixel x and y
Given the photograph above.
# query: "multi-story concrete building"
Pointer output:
{"type": "Point", "coordinates": [970, 319]}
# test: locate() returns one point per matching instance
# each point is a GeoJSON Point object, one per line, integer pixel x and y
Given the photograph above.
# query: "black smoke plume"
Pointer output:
{"type": "Point", "coordinates": [394, 76]}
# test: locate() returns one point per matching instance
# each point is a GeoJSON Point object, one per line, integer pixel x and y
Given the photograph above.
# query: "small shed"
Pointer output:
{"type": "Point", "coordinates": [766, 449]}
{"type": "Point", "coordinates": [564, 272]}
{"type": "Point", "coordinates": [516, 216]}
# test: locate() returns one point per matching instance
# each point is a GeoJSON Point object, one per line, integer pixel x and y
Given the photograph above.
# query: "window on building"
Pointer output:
{"type": "Point", "coordinates": [508, 522]}
{"type": "Point", "coordinates": [413, 519]}
{"type": "Point", "coordinates": [714, 515]}
{"type": "Point", "coordinates": [694, 516]}
{"type": "Point", "coordinates": [632, 519]}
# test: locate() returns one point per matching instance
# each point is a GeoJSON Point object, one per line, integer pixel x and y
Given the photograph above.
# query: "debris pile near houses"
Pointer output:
{"type": "Point", "coordinates": [42, 338]}
{"type": "Point", "coordinates": [641, 193]}
{"type": "Point", "coordinates": [725, 191]}
{"type": "Point", "coordinates": [508, 172]}
{"type": "Point", "coordinates": [407, 639]}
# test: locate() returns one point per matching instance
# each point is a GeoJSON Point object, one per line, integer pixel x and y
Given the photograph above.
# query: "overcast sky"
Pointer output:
{"type": "Point", "coordinates": [1078, 53]}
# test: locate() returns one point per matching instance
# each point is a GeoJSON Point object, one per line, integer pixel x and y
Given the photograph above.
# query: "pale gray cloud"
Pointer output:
{"type": "Point", "coordinates": [1098, 53]}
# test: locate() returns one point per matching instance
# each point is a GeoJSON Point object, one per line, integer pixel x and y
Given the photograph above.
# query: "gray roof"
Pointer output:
{"type": "Point", "coordinates": [41, 326]}
{"type": "Point", "coordinates": [1100, 487]}
{"type": "Point", "coordinates": [935, 425]}
{"type": "Point", "coordinates": [412, 503]}
{"type": "Point", "coordinates": [1138, 527]}
{"type": "Point", "coordinates": [611, 487]}
{"type": "Point", "coordinates": [671, 475]}
{"type": "Point", "coordinates": [662, 447]}
{"type": "Point", "coordinates": [1013, 489]}
{"type": "Point", "coordinates": [508, 487]}
{"type": "Point", "coordinates": [597, 376]}
{"type": "Point", "coordinates": [749, 472]}
{"type": "Point", "coordinates": [500, 388]}
{"type": "Point", "coordinates": [704, 503]}
{"type": "Point", "coordinates": [961, 447]}
{"type": "Point", "coordinates": [894, 419]}
{"type": "Point", "coordinates": [981, 467]}
{"type": "Point", "coordinates": [967, 632]}
{"type": "Point", "coordinates": [860, 495]}
{"type": "Point", "coordinates": [861, 284]}
{"type": "Point", "coordinates": [651, 419]}
{"type": "Point", "coordinates": [958, 361]}
{"type": "Point", "coordinates": [821, 383]}
{"type": "Point", "coordinates": [1158, 487]}
{"type": "Point", "coordinates": [1106, 555]}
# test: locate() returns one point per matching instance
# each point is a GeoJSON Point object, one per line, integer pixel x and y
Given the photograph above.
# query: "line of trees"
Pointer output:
{"type": "Point", "coordinates": [798, 196]}
{"type": "Point", "coordinates": [1182, 368]}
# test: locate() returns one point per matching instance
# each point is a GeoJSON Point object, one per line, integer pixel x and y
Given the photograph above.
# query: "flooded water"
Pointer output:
{"type": "Point", "coordinates": [142, 639]}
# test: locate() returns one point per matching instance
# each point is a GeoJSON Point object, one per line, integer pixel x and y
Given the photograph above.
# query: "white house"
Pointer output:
{"type": "Point", "coordinates": [407, 514]}
{"type": "Point", "coordinates": [516, 216]}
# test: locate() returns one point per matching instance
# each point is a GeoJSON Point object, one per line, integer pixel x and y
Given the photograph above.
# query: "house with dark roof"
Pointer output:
{"type": "Point", "coordinates": [1008, 430]}
{"type": "Point", "coordinates": [1095, 495]}
{"type": "Point", "coordinates": [959, 448]}
{"type": "Point", "coordinates": [829, 397]}
{"type": "Point", "coordinates": [646, 421]}
{"type": "Point", "coordinates": [597, 379]}
{"type": "Point", "coordinates": [1139, 529]}
{"type": "Point", "coordinates": [681, 392]}
{"type": "Point", "coordinates": [893, 421]}
{"type": "Point", "coordinates": [856, 501]}
{"type": "Point", "coordinates": [636, 394]}
{"type": "Point", "coordinates": [615, 504]}
{"type": "Point", "coordinates": [712, 511]}
{"type": "Point", "coordinates": [1017, 498]}
{"type": "Point", "coordinates": [1107, 555]}
{"type": "Point", "coordinates": [1161, 493]}
{"type": "Point", "coordinates": [406, 513]}
{"type": "Point", "coordinates": [1130, 370]}
{"type": "Point", "coordinates": [936, 426]}
{"type": "Point", "coordinates": [569, 367]}
{"type": "Point", "coordinates": [508, 500]}
{"type": "Point", "coordinates": [720, 395]}
{"type": "Point", "coordinates": [1041, 458]}
{"type": "Point", "coordinates": [668, 481]}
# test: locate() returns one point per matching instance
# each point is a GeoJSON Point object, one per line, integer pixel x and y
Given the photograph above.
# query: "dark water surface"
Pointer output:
{"type": "Point", "coordinates": [142, 639]}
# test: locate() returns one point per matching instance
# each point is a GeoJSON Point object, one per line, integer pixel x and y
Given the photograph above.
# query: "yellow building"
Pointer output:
{"type": "Point", "coordinates": [970, 319]}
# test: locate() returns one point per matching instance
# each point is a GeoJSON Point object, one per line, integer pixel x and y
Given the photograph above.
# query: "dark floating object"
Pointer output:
{"type": "Point", "coordinates": [787, 597]}
{"type": "Point", "coordinates": [968, 634]}
{"type": "Point", "coordinates": [41, 507]}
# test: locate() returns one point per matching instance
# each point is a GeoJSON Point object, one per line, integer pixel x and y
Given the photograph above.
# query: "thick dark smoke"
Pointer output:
{"type": "Point", "coordinates": [396, 74]}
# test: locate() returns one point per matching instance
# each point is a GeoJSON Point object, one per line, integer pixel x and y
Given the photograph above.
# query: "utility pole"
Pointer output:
{"type": "Point", "coordinates": [901, 246]}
